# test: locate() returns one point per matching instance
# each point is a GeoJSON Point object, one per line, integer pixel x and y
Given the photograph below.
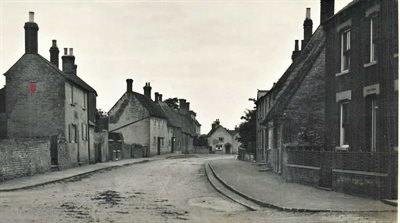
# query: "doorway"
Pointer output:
{"type": "Point", "coordinates": [53, 150]}
{"type": "Point", "coordinates": [159, 145]}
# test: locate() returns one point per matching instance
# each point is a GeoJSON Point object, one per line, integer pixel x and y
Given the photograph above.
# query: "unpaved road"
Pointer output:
{"type": "Point", "coordinates": [170, 190]}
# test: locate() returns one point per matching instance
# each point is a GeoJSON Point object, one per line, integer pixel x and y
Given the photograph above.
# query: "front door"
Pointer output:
{"type": "Point", "coordinates": [53, 150]}
{"type": "Point", "coordinates": [158, 145]}
{"type": "Point", "coordinates": [172, 144]}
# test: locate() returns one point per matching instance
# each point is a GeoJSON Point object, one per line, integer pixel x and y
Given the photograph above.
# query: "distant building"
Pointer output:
{"type": "Point", "coordinates": [222, 140]}
{"type": "Point", "coordinates": [40, 100]}
{"type": "Point", "coordinates": [141, 121]}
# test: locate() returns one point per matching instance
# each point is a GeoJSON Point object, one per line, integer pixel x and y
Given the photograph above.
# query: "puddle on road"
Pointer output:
{"type": "Point", "coordinates": [215, 203]}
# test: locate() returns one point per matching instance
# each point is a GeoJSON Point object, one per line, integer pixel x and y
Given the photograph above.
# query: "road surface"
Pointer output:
{"type": "Point", "coordinates": [169, 190]}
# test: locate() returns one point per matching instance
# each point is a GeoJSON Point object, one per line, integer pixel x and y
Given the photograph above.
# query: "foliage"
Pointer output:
{"type": "Point", "coordinates": [200, 141]}
{"type": "Point", "coordinates": [247, 131]}
{"type": "Point", "coordinates": [172, 102]}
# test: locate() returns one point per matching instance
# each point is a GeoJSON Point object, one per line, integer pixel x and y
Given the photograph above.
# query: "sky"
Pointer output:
{"type": "Point", "coordinates": [214, 54]}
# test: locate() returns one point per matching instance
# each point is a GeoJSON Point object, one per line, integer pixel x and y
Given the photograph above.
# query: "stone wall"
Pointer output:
{"type": "Point", "coordinates": [23, 157]}
{"type": "Point", "coordinates": [3, 125]}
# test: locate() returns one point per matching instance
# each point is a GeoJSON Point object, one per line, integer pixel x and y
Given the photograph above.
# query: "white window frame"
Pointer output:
{"type": "Point", "coordinates": [342, 129]}
{"type": "Point", "coordinates": [374, 108]}
{"type": "Point", "coordinates": [372, 48]}
{"type": "Point", "coordinates": [344, 57]}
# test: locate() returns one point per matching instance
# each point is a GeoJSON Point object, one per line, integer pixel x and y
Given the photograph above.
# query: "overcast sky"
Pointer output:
{"type": "Point", "coordinates": [215, 54]}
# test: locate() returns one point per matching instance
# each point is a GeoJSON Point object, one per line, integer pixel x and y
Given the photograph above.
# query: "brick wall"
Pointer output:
{"type": "Point", "coordinates": [22, 157]}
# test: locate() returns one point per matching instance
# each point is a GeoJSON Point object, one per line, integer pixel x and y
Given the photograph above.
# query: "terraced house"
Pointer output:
{"type": "Point", "coordinates": [42, 101]}
{"type": "Point", "coordinates": [362, 98]}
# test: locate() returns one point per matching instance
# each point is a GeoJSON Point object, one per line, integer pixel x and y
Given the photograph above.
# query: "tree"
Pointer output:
{"type": "Point", "coordinates": [247, 131]}
{"type": "Point", "coordinates": [172, 102]}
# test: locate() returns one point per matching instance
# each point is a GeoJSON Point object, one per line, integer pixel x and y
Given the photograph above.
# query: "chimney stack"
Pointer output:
{"type": "Point", "coordinates": [68, 61]}
{"type": "Point", "coordinates": [129, 85]}
{"type": "Point", "coordinates": [54, 53]}
{"type": "Point", "coordinates": [147, 90]}
{"type": "Point", "coordinates": [160, 97]}
{"type": "Point", "coordinates": [156, 96]}
{"type": "Point", "coordinates": [182, 104]}
{"type": "Point", "coordinates": [308, 27]}
{"type": "Point", "coordinates": [31, 35]}
{"type": "Point", "coordinates": [327, 9]}
{"type": "Point", "coordinates": [188, 105]}
{"type": "Point", "coordinates": [296, 51]}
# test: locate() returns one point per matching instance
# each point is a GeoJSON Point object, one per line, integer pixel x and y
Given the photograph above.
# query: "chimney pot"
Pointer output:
{"type": "Point", "coordinates": [129, 85]}
{"type": "Point", "coordinates": [71, 51]}
{"type": "Point", "coordinates": [156, 96]}
{"type": "Point", "coordinates": [147, 90]}
{"type": "Point", "coordinates": [31, 16]}
{"type": "Point", "coordinates": [160, 97]}
{"type": "Point", "coordinates": [308, 13]}
{"type": "Point", "coordinates": [65, 51]}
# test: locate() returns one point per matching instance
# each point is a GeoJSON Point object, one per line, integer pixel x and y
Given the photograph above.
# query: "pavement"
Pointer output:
{"type": "Point", "coordinates": [268, 189]}
{"type": "Point", "coordinates": [57, 176]}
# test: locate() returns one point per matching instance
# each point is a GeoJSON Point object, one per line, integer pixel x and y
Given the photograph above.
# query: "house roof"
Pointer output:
{"type": "Point", "coordinates": [153, 108]}
{"type": "Point", "coordinates": [172, 115]}
{"type": "Point", "coordinates": [212, 131]}
{"type": "Point", "coordinates": [349, 5]}
{"type": "Point", "coordinates": [70, 77]}
{"type": "Point", "coordinates": [296, 72]}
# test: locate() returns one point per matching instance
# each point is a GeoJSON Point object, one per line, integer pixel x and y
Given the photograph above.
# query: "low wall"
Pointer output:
{"type": "Point", "coordinates": [23, 157]}
{"type": "Point", "coordinates": [201, 149]}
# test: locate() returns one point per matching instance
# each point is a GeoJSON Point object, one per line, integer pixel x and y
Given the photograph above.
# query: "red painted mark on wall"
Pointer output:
{"type": "Point", "coordinates": [32, 87]}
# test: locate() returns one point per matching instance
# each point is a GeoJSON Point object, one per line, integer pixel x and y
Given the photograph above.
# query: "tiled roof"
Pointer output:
{"type": "Point", "coordinates": [153, 108]}
{"type": "Point", "coordinates": [296, 72]}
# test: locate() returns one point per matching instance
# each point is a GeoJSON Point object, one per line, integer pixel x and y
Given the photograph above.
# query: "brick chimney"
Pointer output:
{"type": "Point", "coordinates": [182, 104]}
{"type": "Point", "coordinates": [156, 96]}
{"type": "Point", "coordinates": [327, 9]}
{"type": "Point", "coordinates": [188, 105]}
{"type": "Point", "coordinates": [308, 26]}
{"type": "Point", "coordinates": [129, 83]}
{"type": "Point", "coordinates": [31, 35]}
{"type": "Point", "coordinates": [296, 51]}
{"type": "Point", "coordinates": [160, 97]}
{"type": "Point", "coordinates": [147, 90]}
{"type": "Point", "coordinates": [54, 53]}
{"type": "Point", "coordinates": [68, 61]}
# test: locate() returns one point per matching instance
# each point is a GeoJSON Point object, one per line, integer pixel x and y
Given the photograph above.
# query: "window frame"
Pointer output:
{"type": "Point", "coordinates": [343, 127]}
{"type": "Point", "coordinates": [345, 54]}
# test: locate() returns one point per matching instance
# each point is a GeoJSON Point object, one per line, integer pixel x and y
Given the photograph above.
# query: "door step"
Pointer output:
{"type": "Point", "coordinates": [54, 168]}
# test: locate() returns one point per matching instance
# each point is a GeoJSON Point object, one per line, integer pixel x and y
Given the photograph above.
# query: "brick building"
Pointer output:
{"type": "Point", "coordinates": [362, 98]}
{"type": "Point", "coordinates": [222, 140]}
{"type": "Point", "coordinates": [40, 100]}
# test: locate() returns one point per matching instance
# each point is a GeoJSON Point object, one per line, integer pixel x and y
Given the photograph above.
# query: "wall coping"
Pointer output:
{"type": "Point", "coordinates": [358, 172]}
{"type": "Point", "coordinates": [303, 166]}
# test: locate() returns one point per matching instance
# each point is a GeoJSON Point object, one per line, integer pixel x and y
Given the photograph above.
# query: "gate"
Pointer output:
{"type": "Point", "coordinates": [325, 180]}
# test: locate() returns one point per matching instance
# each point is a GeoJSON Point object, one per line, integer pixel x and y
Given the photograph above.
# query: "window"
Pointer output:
{"type": "Point", "coordinates": [84, 99]}
{"type": "Point", "coordinates": [218, 147]}
{"type": "Point", "coordinates": [84, 131]}
{"type": "Point", "coordinates": [221, 139]}
{"type": "Point", "coordinates": [72, 133]}
{"type": "Point", "coordinates": [72, 95]}
{"type": "Point", "coordinates": [373, 108]}
{"type": "Point", "coordinates": [344, 124]}
{"type": "Point", "coordinates": [345, 50]}
{"type": "Point", "coordinates": [372, 38]}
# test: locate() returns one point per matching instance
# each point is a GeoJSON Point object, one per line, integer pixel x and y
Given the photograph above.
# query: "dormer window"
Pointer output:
{"type": "Point", "coordinates": [345, 50]}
